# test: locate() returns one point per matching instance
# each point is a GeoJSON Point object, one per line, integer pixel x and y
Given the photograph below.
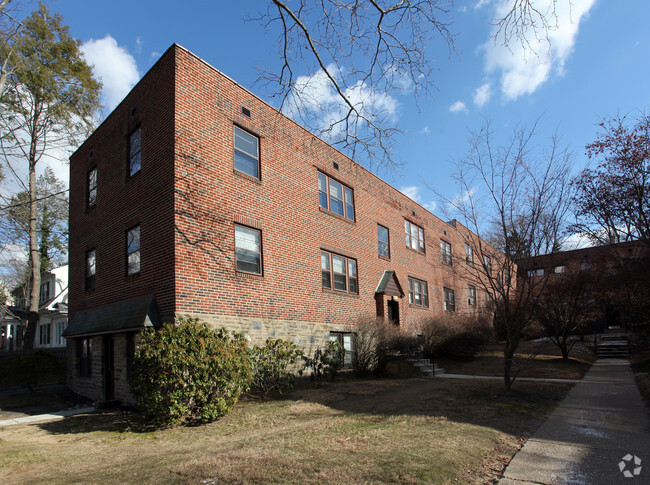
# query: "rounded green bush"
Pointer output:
{"type": "Point", "coordinates": [189, 373]}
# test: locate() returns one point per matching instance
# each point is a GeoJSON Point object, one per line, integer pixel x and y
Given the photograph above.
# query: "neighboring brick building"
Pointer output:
{"type": "Point", "coordinates": [194, 197]}
{"type": "Point", "coordinates": [614, 277]}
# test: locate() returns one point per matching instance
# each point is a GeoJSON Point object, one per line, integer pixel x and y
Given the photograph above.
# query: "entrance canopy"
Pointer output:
{"type": "Point", "coordinates": [389, 285]}
{"type": "Point", "coordinates": [124, 316]}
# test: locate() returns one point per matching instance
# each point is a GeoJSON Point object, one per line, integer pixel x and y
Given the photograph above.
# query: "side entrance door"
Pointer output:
{"type": "Point", "coordinates": [393, 311]}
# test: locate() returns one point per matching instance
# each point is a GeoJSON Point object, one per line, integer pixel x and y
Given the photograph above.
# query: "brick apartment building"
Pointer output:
{"type": "Point", "coordinates": [614, 280]}
{"type": "Point", "coordinates": [195, 197]}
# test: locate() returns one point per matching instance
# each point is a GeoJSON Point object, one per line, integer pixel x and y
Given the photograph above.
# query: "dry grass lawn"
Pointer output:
{"type": "Point", "coordinates": [348, 432]}
{"type": "Point", "coordinates": [532, 359]}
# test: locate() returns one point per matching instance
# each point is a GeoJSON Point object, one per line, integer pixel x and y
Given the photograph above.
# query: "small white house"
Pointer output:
{"type": "Point", "coordinates": [53, 309]}
{"type": "Point", "coordinates": [52, 313]}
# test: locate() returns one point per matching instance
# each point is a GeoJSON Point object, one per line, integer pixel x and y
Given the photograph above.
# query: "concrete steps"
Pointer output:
{"type": "Point", "coordinates": [425, 366]}
{"type": "Point", "coordinates": [613, 343]}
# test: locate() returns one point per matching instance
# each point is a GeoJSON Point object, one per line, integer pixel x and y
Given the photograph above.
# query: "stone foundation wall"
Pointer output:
{"type": "Point", "coordinates": [308, 336]}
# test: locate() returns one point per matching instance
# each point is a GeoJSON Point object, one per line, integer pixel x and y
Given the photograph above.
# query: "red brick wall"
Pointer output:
{"type": "Point", "coordinates": [187, 198]}
{"type": "Point", "coordinates": [122, 202]}
{"type": "Point", "coordinates": [210, 197]}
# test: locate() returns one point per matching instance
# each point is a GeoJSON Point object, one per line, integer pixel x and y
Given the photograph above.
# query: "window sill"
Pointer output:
{"type": "Point", "coordinates": [249, 276]}
{"type": "Point", "coordinates": [338, 216]}
{"type": "Point", "coordinates": [341, 293]}
{"type": "Point", "coordinates": [416, 251]}
{"type": "Point", "coordinates": [91, 208]}
{"type": "Point", "coordinates": [418, 307]}
{"type": "Point", "coordinates": [246, 176]}
{"type": "Point", "coordinates": [383, 257]}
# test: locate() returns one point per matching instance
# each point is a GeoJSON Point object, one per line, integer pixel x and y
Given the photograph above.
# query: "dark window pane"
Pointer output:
{"type": "Point", "coordinates": [246, 153]}
{"type": "Point", "coordinates": [326, 279]}
{"type": "Point", "coordinates": [247, 164]}
{"type": "Point", "coordinates": [322, 190]}
{"type": "Point", "coordinates": [248, 261]}
{"type": "Point", "coordinates": [339, 282]}
{"type": "Point", "coordinates": [336, 197]}
{"type": "Point", "coordinates": [135, 152]}
{"type": "Point", "coordinates": [382, 237]}
{"type": "Point", "coordinates": [353, 285]}
{"type": "Point", "coordinates": [248, 250]}
{"type": "Point", "coordinates": [349, 204]}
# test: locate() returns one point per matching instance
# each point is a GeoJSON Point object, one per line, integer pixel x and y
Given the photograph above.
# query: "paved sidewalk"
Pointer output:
{"type": "Point", "coordinates": [41, 418]}
{"type": "Point", "coordinates": [586, 439]}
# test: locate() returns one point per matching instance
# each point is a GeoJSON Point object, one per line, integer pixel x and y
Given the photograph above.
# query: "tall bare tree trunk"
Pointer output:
{"type": "Point", "coordinates": [34, 256]}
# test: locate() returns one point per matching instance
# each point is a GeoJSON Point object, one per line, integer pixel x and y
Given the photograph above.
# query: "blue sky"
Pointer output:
{"type": "Point", "coordinates": [598, 66]}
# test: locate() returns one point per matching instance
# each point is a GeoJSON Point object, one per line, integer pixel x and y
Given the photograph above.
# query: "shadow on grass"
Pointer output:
{"type": "Point", "coordinates": [480, 402]}
{"type": "Point", "coordinates": [116, 421]}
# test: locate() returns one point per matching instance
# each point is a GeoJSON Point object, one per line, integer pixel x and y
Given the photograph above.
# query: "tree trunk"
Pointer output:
{"type": "Point", "coordinates": [34, 256]}
{"type": "Point", "coordinates": [512, 341]}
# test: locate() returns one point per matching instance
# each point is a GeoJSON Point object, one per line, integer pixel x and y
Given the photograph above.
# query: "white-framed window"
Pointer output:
{"type": "Point", "coordinates": [450, 299]}
{"type": "Point", "coordinates": [535, 272]}
{"type": "Point", "coordinates": [346, 341]}
{"type": "Point", "coordinates": [414, 236]}
{"type": "Point", "coordinates": [135, 151]}
{"type": "Point", "coordinates": [133, 251]}
{"type": "Point", "coordinates": [418, 292]}
{"type": "Point", "coordinates": [339, 273]}
{"type": "Point", "coordinates": [471, 295]}
{"type": "Point", "coordinates": [247, 153]}
{"type": "Point", "coordinates": [335, 196]}
{"type": "Point", "coordinates": [59, 328]}
{"type": "Point", "coordinates": [558, 270]}
{"type": "Point", "coordinates": [248, 249]}
{"type": "Point", "coordinates": [383, 241]}
{"type": "Point", "coordinates": [487, 265]}
{"type": "Point", "coordinates": [445, 250]}
{"type": "Point", "coordinates": [469, 254]}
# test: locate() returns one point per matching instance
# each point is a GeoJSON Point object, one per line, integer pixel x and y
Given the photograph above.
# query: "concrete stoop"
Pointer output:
{"type": "Point", "coordinates": [425, 366]}
{"type": "Point", "coordinates": [613, 344]}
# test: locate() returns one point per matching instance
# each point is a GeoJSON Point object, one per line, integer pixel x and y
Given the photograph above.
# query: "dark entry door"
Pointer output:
{"type": "Point", "coordinates": [393, 311]}
{"type": "Point", "coordinates": [109, 367]}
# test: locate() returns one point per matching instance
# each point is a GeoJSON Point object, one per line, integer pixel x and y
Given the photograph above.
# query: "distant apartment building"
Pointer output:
{"type": "Point", "coordinates": [194, 197]}
{"type": "Point", "coordinates": [614, 277]}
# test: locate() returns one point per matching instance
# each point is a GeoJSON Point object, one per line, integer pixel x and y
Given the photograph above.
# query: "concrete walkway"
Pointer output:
{"type": "Point", "coordinates": [41, 418]}
{"type": "Point", "coordinates": [599, 434]}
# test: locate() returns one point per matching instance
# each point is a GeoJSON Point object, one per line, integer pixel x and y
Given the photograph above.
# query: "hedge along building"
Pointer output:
{"type": "Point", "coordinates": [194, 197]}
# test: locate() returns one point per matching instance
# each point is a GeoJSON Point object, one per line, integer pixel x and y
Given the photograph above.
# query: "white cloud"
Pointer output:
{"type": "Point", "coordinates": [425, 130]}
{"type": "Point", "coordinates": [138, 45]}
{"type": "Point", "coordinates": [413, 193]}
{"type": "Point", "coordinates": [576, 240]}
{"type": "Point", "coordinates": [114, 66]}
{"type": "Point", "coordinates": [316, 97]}
{"type": "Point", "coordinates": [482, 94]}
{"type": "Point", "coordinates": [458, 106]}
{"type": "Point", "coordinates": [481, 3]}
{"type": "Point", "coordinates": [524, 67]}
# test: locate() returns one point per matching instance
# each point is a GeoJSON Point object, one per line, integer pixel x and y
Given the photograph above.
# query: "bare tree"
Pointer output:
{"type": "Point", "coordinates": [563, 309]}
{"type": "Point", "coordinates": [360, 52]}
{"type": "Point", "coordinates": [516, 197]}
